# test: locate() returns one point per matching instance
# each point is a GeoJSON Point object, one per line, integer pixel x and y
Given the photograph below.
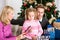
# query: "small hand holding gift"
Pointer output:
{"type": "Point", "coordinates": [34, 37]}
{"type": "Point", "coordinates": [21, 36]}
{"type": "Point", "coordinates": [56, 25]}
{"type": "Point", "coordinates": [28, 30]}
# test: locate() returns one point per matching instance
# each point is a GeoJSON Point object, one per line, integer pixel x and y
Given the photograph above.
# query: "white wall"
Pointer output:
{"type": "Point", "coordinates": [57, 2]}
{"type": "Point", "coordinates": [2, 4]}
{"type": "Point", "coordinates": [16, 4]}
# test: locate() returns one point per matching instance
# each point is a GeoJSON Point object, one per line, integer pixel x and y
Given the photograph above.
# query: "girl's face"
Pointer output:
{"type": "Point", "coordinates": [31, 16]}
{"type": "Point", "coordinates": [10, 15]}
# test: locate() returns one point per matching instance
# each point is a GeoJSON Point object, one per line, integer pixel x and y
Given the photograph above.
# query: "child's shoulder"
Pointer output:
{"type": "Point", "coordinates": [26, 21]}
{"type": "Point", "coordinates": [36, 20]}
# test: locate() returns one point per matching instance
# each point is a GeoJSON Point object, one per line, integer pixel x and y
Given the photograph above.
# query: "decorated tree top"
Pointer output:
{"type": "Point", "coordinates": [50, 8]}
{"type": "Point", "coordinates": [26, 4]}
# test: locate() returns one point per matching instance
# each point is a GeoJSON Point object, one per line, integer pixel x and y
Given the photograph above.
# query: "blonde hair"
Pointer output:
{"type": "Point", "coordinates": [31, 10]}
{"type": "Point", "coordinates": [4, 14]}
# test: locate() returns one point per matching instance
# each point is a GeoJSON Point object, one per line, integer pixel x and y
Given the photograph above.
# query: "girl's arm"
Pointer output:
{"type": "Point", "coordinates": [25, 26]}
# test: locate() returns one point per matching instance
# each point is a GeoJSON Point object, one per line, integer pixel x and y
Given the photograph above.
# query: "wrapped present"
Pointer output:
{"type": "Point", "coordinates": [57, 28]}
{"type": "Point", "coordinates": [56, 24]}
{"type": "Point", "coordinates": [51, 31]}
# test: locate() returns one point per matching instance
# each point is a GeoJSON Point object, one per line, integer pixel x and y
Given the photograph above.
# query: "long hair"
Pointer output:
{"type": "Point", "coordinates": [4, 14]}
{"type": "Point", "coordinates": [30, 10]}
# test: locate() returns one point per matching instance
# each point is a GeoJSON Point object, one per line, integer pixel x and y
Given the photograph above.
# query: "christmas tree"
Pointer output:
{"type": "Point", "coordinates": [50, 7]}
{"type": "Point", "coordinates": [26, 4]}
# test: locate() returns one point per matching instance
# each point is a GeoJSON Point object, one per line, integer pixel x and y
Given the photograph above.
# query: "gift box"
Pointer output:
{"type": "Point", "coordinates": [57, 29]}
{"type": "Point", "coordinates": [56, 24]}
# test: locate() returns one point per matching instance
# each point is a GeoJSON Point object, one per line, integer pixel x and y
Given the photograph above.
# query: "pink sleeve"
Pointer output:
{"type": "Point", "coordinates": [12, 38]}
{"type": "Point", "coordinates": [40, 29]}
{"type": "Point", "coordinates": [25, 26]}
{"type": "Point", "coordinates": [2, 37]}
{"type": "Point", "coordinates": [1, 31]}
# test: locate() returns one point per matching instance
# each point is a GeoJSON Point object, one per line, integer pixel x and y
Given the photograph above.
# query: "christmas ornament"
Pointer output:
{"type": "Point", "coordinates": [54, 11]}
{"type": "Point", "coordinates": [25, 3]}
{"type": "Point", "coordinates": [52, 16]}
{"type": "Point", "coordinates": [31, 1]}
{"type": "Point", "coordinates": [49, 4]}
{"type": "Point", "coordinates": [48, 9]}
{"type": "Point", "coordinates": [35, 3]}
{"type": "Point", "coordinates": [53, 3]}
{"type": "Point", "coordinates": [40, 4]}
{"type": "Point", "coordinates": [31, 6]}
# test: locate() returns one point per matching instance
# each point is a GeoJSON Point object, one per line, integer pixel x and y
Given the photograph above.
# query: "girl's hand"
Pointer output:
{"type": "Point", "coordinates": [34, 37]}
{"type": "Point", "coordinates": [21, 36]}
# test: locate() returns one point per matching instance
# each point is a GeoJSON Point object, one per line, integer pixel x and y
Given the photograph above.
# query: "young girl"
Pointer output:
{"type": "Point", "coordinates": [5, 26]}
{"type": "Point", "coordinates": [31, 26]}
